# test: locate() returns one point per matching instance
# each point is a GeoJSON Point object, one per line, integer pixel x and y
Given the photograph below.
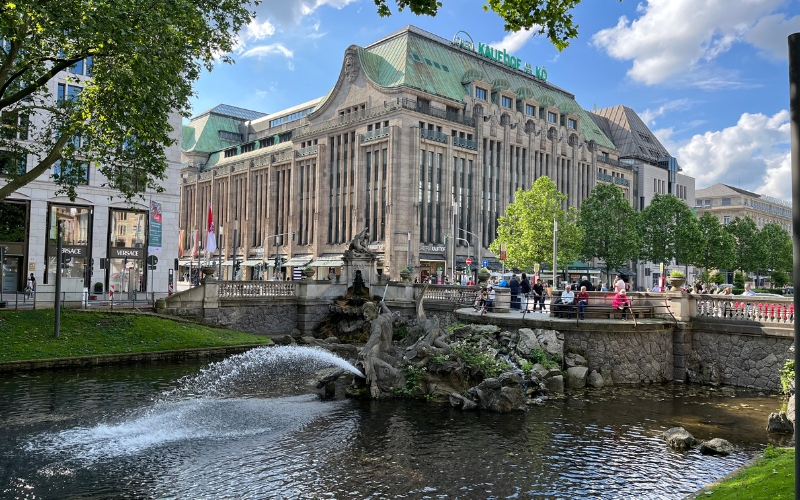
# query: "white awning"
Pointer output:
{"type": "Point", "coordinates": [298, 261]}
{"type": "Point", "coordinates": [328, 261]}
{"type": "Point", "coordinates": [255, 262]}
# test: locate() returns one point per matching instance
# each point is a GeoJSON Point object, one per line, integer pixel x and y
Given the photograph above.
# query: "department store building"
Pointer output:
{"type": "Point", "coordinates": [423, 141]}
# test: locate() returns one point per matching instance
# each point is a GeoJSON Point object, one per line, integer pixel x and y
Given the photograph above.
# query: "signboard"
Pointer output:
{"type": "Point", "coordinates": [469, 261]}
{"type": "Point", "coordinates": [485, 263]}
{"type": "Point", "coordinates": [31, 266]}
{"type": "Point", "coordinates": [73, 251]}
{"type": "Point", "coordinates": [501, 56]}
{"type": "Point", "coordinates": [121, 253]}
{"type": "Point", "coordinates": [503, 251]}
{"type": "Point", "coordinates": [432, 248]}
{"type": "Point", "coordinates": [154, 239]}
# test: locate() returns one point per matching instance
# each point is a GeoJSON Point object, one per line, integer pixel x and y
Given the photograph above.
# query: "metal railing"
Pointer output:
{"type": "Point", "coordinates": [375, 134]}
{"type": "Point", "coordinates": [244, 289]}
{"type": "Point", "coordinates": [465, 143]}
{"type": "Point", "coordinates": [346, 119]}
{"type": "Point", "coordinates": [603, 177]}
{"type": "Point", "coordinates": [433, 135]}
{"type": "Point", "coordinates": [621, 181]}
{"type": "Point", "coordinates": [80, 300]}
{"type": "Point", "coordinates": [306, 151]}
{"type": "Point", "coordinates": [427, 109]}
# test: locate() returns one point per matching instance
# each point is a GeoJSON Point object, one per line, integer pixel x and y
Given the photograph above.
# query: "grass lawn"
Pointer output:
{"type": "Point", "coordinates": [26, 335]}
{"type": "Point", "coordinates": [770, 477]}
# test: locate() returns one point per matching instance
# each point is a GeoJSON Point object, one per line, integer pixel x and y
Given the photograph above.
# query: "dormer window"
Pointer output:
{"type": "Point", "coordinates": [480, 93]}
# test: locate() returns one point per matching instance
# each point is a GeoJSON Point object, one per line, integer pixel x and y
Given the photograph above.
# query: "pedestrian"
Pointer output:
{"type": "Point", "coordinates": [619, 284]}
{"type": "Point", "coordinates": [538, 295]}
{"type": "Point", "coordinates": [621, 302]}
{"type": "Point", "coordinates": [747, 290]}
{"type": "Point", "coordinates": [513, 286]}
{"type": "Point", "coordinates": [583, 300]}
{"type": "Point", "coordinates": [586, 283]}
{"type": "Point", "coordinates": [656, 288]}
{"type": "Point", "coordinates": [30, 287]}
{"type": "Point", "coordinates": [490, 300]}
{"type": "Point", "coordinates": [480, 300]}
{"type": "Point", "coordinates": [568, 300]}
{"type": "Point", "coordinates": [603, 288]}
{"type": "Point", "coordinates": [524, 291]}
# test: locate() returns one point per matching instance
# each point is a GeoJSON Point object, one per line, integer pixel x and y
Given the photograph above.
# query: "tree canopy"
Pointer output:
{"type": "Point", "coordinates": [527, 227]}
{"type": "Point", "coordinates": [546, 17]}
{"type": "Point", "coordinates": [777, 244]}
{"type": "Point", "coordinates": [748, 249]}
{"type": "Point", "coordinates": [716, 245]}
{"type": "Point", "coordinates": [669, 231]}
{"type": "Point", "coordinates": [608, 222]}
{"type": "Point", "coordinates": [132, 65]}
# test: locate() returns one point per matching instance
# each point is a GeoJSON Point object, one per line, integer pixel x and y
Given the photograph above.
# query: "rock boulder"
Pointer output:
{"type": "Point", "coordinates": [527, 342]}
{"type": "Point", "coordinates": [551, 341]}
{"type": "Point", "coordinates": [555, 384]}
{"type": "Point", "coordinates": [716, 446]}
{"type": "Point", "coordinates": [595, 379]}
{"type": "Point", "coordinates": [780, 423]}
{"type": "Point", "coordinates": [576, 377]}
{"type": "Point", "coordinates": [679, 438]}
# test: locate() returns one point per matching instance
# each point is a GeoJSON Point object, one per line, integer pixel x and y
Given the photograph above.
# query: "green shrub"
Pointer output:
{"type": "Point", "coordinates": [738, 280]}
{"type": "Point", "coordinates": [779, 278]}
{"type": "Point", "coordinates": [475, 357]}
{"type": "Point", "coordinates": [438, 358]}
{"type": "Point", "coordinates": [675, 273]}
{"type": "Point", "coordinates": [413, 378]}
{"type": "Point", "coordinates": [399, 332]}
{"type": "Point", "coordinates": [526, 367]}
{"type": "Point", "coordinates": [787, 375]}
{"type": "Point", "coordinates": [450, 328]}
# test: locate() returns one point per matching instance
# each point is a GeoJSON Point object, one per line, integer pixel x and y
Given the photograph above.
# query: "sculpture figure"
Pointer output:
{"type": "Point", "coordinates": [378, 357]}
{"type": "Point", "coordinates": [359, 247]}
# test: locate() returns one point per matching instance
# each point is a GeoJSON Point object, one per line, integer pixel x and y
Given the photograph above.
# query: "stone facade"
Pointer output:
{"type": "Point", "coordinates": [728, 202]}
{"type": "Point", "coordinates": [426, 154]}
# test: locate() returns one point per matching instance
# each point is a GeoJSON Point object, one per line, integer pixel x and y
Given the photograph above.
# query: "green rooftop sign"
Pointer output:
{"type": "Point", "coordinates": [464, 41]}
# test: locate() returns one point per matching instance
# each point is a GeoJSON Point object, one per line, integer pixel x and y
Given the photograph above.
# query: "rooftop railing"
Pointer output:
{"type": "Point", "coordinates": [433, 135]}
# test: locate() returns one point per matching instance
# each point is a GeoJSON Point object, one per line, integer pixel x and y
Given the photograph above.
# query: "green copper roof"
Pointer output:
{"type": "Point", "coordinates": [412, 59]}
{"type": "Point", "coordinates": [202, 134]}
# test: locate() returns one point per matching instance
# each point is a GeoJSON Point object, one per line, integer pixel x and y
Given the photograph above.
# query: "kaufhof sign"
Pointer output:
{"type": "Point", "coordinates": [463, 40]}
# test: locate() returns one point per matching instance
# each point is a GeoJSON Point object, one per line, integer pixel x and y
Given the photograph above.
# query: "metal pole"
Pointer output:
{"type": "Point", "coordinates": [2, 265]}
{"type": "Point", "coordinates": [59, 258]}
{"type": "Point", "coordinates": [408, 250]}
{"type": "Point", "coordinates": [555, 252]}
{"type": "Point", "coordinates": [794, 109]}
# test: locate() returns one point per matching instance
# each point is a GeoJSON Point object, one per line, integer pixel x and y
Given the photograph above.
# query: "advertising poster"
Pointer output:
{"type": "Point", "coordinates": [154, 240]}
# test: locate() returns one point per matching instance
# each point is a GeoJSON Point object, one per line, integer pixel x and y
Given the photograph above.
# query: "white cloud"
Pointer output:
{"type": "Point", "coordinates": [516, 40]}
{"type": "Point", "coordinates": [288, 13]}
{"type": "Point", "coordinates": [770, 34]}
{"type": "Point", "coordinates": [262, 51]}
{"type": "Point", "coordinates": [672, 37]}
{"type": "Point", "coordinates": [259, 30]}
{"type": "Point", "coordinates": [649, 115]}
{"type": "Point", "coordinates": [751, 154]}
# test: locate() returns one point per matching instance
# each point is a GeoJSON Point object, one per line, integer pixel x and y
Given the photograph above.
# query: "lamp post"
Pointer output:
{"type": "Point", "coordinates": [555, 252]}
{"type": "Point", "coordinates": [469, 252]}
{"type": "Point", "coordinates": [478, 251]}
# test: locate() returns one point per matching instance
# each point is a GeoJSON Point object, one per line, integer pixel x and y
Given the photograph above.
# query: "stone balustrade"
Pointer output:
{"type": "Point", "coordinates": [738, 308]}
{"type": "Point", "coordinates": [249, 289]}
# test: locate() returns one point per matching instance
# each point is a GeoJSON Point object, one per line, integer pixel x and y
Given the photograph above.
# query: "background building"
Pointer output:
{"type": "Point", "coordinates": [422, 140]}
{"type": "Point", "coordinates": [96, 226]}
{"type": "Point", "coordinates": [728, 202]}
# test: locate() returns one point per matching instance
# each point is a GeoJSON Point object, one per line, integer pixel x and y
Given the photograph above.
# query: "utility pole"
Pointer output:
{"type": "Point", "coordinates": [59, 260]}
{"type": "Point", "coordinates": [555, 252]}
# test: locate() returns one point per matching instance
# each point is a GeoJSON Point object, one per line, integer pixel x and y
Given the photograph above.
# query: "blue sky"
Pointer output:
{"type": "Point", "coordinates": [710, 77]}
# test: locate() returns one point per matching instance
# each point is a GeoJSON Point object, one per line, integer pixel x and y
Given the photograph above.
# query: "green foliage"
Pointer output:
{"type": "Point", "coordinates": [12, 222]}
{"type": "Point", "coordinates": [453, 326]}
{"type": "Point", "coordinates": [413, 376]}
{"type": "Point", "coordinates": [29, 334]}
{"type": "Point", "coordinates": [145, 56]}
{"type": "Point", "coordinates": [399, 332]}
{"type": "Point", "coordinates": [439, 358]}
{"type": "Point", "coordinates": [526, 228]}
{"type": "Point", "coordinates": [527, 366]}
{"type": "Point", "coordinates": [676, 273]}
{"type": "Point", "coordinates": [476, 357]}
{"type": "Point", "coordinates": [718, 278]}
{"type": "Point", "coordinates": [716, 246]}
{"type": "Point", "coordinates": [770, 477]}
{"type": "Point", "coordinates": [748, 249]}
{"type": "Point", "coordinates": [779, 278]}
{"type": "Point", "coordinates": [550, 17]}
{"type": "Point", "coordinates": [541, 357]}
{"type": "Point", "coordinates": [668, 230]}
{"type": "Point", "coordinates": [608, 223]}
{"type": "Point", "coordinates": [738, 280]}
{"type": "Point", "coordinates": [787, 375]}
{"type": "Point", "coordinates": [777, 244]}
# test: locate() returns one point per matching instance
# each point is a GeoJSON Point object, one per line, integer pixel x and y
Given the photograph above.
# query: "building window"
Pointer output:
{"type": "Point", "coordinates": [480, 93]}
{"type": "Point", "coordinates": [79, 170]}
{"type": "Point", "coordinates": [708, 203]}
{"type": "Point", "coordinates": [530, 110]}
{"type": "Point", "coordinates": [12, 163]}
{"type": "Point", "coordinates": [552, 117]}
{"type": "Point", "coordinates": [726, 219]}
{"type": "Point", "coordinates": [573, 124]}
{"type": "Point", "coordinates": [726, 202]}
{"type": "Point", "coordinates": [506, 102]}
{"type": "Point", "coordinates": [230, 136]}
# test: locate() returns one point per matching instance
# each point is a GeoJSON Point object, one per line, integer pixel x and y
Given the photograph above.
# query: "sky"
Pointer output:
{"type": "Point", "coordinates": [709, 77]}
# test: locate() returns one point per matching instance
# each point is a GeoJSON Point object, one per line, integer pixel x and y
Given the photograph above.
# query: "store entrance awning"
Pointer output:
{"type": "Point", "coordinates": [328, 261]}
{"type": "Point", "coordinates": [432, 257]}
{"type": "Point", "coordinates": [298, 261]}
{"type": "Point", "coordinates": [255, 262]}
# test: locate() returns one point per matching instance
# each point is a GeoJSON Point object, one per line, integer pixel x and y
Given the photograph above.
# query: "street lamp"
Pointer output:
{"type": "Point", "coordinates": [476, 237]}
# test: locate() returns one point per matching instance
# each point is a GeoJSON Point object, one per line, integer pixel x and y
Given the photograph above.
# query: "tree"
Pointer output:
{"type": "Point", "coordinates": [777, 243]}
{"type": "Point", "coordinates": [716, 245]}
{"type": "Point", "coordinates": [551, 17]}
{"type": "Point", "coordinates": [668, 230]}
{"type": "Point", "coordinates": [608, 222]}
{"type": "Point", "coordinates": [527, 227]}
{"type": "Point", "coordinates": [748, 247]}
{"type": "Point", "coordinates": [142, 57]}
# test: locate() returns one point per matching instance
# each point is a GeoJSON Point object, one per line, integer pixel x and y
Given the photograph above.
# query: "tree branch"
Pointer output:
{"type": "Point", "coordinates": [35, 172]}
{"type": "Point", "coordinates": [41, 81]}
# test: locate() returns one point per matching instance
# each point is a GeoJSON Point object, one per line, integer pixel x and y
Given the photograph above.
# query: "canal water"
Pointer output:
{"type": "Point", "coordinates": [244, 429]}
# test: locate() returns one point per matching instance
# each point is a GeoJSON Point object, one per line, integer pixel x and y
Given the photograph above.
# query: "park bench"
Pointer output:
{"type": "Point", "coordinates": [600, 307]}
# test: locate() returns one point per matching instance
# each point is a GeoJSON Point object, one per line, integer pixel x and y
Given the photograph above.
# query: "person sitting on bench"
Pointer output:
{"type": "Point", "coordinates": [620, 303]}
{"type": "Point", "coordinates": [583, 299]}
{"type": "Point", "coordinates": [568, 300]}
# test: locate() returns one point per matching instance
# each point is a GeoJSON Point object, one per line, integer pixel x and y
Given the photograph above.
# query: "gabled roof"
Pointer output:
{"type": "Point", "coordinates": [417, 59]}
{"type": "Point", "coordinates": [742, 191]}
{"type": "Point", "coordinates": [630, 134]}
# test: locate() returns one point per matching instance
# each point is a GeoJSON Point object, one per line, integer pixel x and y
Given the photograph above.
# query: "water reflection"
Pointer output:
{"type": "Point", "coordinates": [111, 433]}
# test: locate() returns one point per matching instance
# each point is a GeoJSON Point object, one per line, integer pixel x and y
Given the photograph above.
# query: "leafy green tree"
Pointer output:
{"type": "Point", "coordinates": [609, 227]}
{"type": "Point", "coordinates": [527, 227]}
{"type": "Point", "coordinates": [779, 278]}
{"type": "Point", "coordinates": [142, 57]}
{"type": "Point", "coordinates": [777, 243]}
{"type": "Point", "coordinates": [748, 248]}
{"type": "Point", "coordinates": [738, 279]}
{"type": "Point", "coordinates": [668, 230]}
{"type": "Point", "coordinates": [550, 17]}
{"type": "Point", "coordinates": [716, 246]}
